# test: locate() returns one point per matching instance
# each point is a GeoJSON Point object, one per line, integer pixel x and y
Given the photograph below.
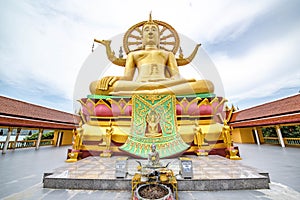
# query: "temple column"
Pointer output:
{"type": "Point", "coordinates": [256, 136]}
{"type": "Point", "coordinates": [56, 132]}
{"type": "Point", "coordinates": [39, 139]}
{"type": "Point", "coordinates": [280, 138]}
{"type": "Point", "coordinates": [7, 140]}
{"type": "Point", "coordinates": [17, 137]}
{"type": "Point", "coordinates": [59, 138]}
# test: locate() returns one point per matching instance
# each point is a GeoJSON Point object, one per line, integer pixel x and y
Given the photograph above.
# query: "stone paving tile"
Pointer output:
{"type": "Point", "coordinates": [209, 167]}
{"type": "Point", "coordinates": [22, 170]}
{"type": "Point", "coordinates": [277, 192]}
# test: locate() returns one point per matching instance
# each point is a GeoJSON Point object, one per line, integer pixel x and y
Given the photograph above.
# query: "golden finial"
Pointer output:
{"type": "Point", "coordinates": [150, 17]}
{"type": "Point", "coordinates": [150, 21]}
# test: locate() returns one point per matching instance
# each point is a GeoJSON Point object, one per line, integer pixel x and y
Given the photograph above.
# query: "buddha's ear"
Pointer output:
{"type": "Point", "coordinates": [158, 40]}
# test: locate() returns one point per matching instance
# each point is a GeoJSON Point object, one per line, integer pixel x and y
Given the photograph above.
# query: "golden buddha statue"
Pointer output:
{"type": "Point", "coordinates": [143, 107]}
{"type": "Point", "coordinates": [157, 71]}
{"type": "Point", "coordinates": [226, 134]}
{"type": "Point", "coordinates": [199, 135]}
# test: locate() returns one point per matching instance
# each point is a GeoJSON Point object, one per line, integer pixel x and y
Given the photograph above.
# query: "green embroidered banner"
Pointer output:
{"type": "Point", "coordinates": [154, 121]}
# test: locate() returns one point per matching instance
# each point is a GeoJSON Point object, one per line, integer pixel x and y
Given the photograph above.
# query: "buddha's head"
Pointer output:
{"type": "Point", "coordinates": [150, 33]}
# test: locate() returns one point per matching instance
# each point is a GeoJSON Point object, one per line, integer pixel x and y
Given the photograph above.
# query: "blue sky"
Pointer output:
{"type": "Point", "coordinates": [254, 45]}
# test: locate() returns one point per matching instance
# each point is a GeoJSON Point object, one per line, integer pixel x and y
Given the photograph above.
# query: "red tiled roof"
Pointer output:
{"type": "Point", "coordinates": [18, 113]}
{"type": "Point", "coordinates": [283, 111]}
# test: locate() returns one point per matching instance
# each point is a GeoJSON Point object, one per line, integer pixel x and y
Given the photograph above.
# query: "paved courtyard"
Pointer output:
{"type": "Point", "coordinates": [21, 173]}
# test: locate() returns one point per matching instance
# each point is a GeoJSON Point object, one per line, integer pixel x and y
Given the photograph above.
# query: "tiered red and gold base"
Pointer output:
{"type": "Point", "coordinates": [103, 113]}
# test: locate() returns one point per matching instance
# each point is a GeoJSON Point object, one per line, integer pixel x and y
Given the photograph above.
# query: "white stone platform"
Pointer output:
{"type": "Point", "coordinates": [209, 173]}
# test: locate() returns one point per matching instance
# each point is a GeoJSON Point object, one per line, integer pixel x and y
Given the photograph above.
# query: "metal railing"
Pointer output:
{"type": "Point", "coordinates": [26, 144]}
{"type": "Point", "coordinates": [292, 141]}
{"type": "Point", "coordinates": [271, 140]}
{"type": "Point", "coordinates": [287, 141]}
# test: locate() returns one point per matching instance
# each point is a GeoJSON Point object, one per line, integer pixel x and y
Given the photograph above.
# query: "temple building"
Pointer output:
{"type": "Point", "coordinates": [17, 116]}
{"type": "Point", "coordinates": [248, 124]}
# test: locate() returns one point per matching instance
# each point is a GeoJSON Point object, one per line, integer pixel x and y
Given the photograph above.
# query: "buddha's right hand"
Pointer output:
{"type": "Point", "coordinates": [107, 81]}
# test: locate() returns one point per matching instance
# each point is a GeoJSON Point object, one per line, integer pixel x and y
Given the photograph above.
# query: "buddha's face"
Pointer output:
{"type": "Point", "coordinates": [150, 34]}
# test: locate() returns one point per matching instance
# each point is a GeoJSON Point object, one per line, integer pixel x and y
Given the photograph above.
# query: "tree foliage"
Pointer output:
{"type": "Point", "coordinates": [269, 132]}
{"type": "Point", "coordinates": [48, 135]}
{"type": "Point", "coordinates": [290, 131]}
{"type": "Point", "coordinates": [286, 131]}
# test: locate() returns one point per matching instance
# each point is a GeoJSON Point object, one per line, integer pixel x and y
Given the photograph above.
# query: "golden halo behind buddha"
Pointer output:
{"type": "Point", "coordinates": [169, 39]}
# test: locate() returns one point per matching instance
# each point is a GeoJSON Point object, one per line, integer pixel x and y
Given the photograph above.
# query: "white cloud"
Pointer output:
{"type": "Point", "coordinates": [43, 48]}
{"type": "Point", "coordinates": [48, 41]}
{"type": "Point", "coordinates": [212, 21]}
{"type": "Point", "coordinates": [262, 70]}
